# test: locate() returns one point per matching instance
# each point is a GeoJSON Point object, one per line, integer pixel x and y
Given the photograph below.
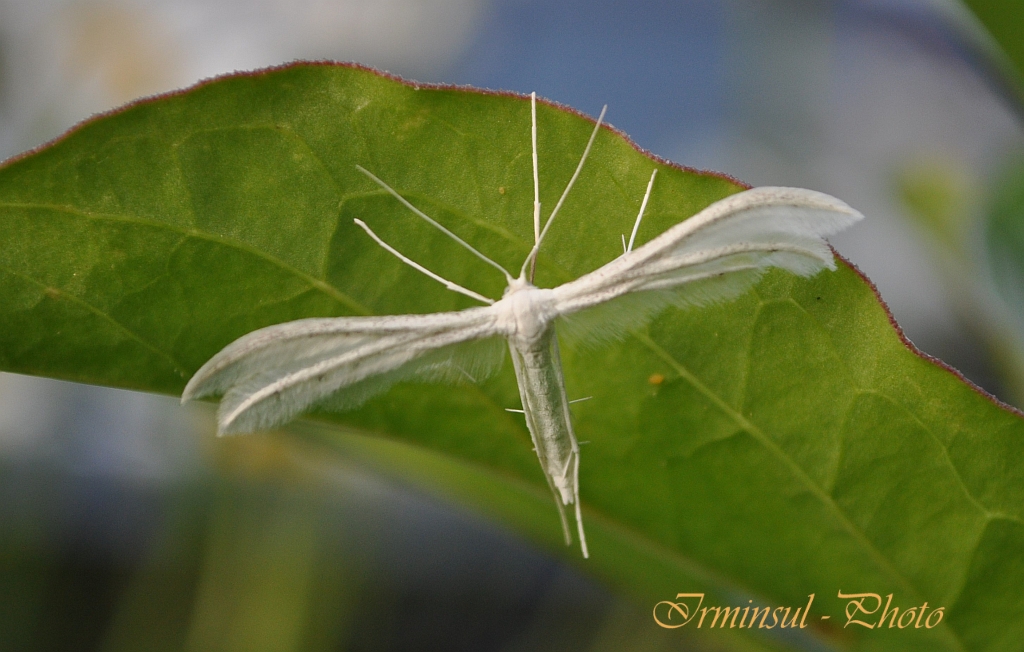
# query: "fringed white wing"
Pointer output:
{"type": "Point", "coordinates": [713, 256]}
{"type": "Point", "coordinates": [272, 374]}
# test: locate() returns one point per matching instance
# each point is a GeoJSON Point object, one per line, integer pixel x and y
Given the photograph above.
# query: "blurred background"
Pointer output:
{"type": "Point", "coordinates": [125, 524]}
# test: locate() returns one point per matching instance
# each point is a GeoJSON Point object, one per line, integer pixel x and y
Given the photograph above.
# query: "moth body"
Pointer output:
{"type": "Point", "coordinates": [527, 315]}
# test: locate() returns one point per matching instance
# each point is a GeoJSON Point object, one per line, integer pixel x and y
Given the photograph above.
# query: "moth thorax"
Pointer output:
{"type": "Point", "coordinates": [531, 311]}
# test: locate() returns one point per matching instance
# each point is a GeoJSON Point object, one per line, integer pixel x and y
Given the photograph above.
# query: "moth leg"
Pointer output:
{"type": "Point", "coordinates": [575, 400]}
{"type": "Point", "coordinates": [431, 221]}
{"type": "Point", "coordinates": [536, 179]}
{"type": "Point", "coordinates": [579, 514]}
{"type": "Point", "coordinates": [643, 206]}
{"type": "Point", "coordinates": [454, 287]}
{"type": "Point", "coordinates": [574, 462]}
{"type": "Point", "coordinates": [565, 193]}
{"type": "Point", "coordinates": [566, 532]}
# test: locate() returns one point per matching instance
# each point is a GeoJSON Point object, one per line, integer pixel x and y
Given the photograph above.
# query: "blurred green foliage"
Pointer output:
{"type": "Point", "coordinates": [939, 198]}
{"type": "Point", "coordinates": [1005, 236]}
{"type": "Point", "coordinates": [1004, 20]}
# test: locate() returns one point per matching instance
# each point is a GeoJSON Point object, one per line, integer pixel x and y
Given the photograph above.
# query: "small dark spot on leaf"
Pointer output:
{"type": "Point", "coordinates": [817, 298]}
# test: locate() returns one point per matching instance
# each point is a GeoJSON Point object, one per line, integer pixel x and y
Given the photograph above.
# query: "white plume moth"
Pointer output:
{"type": "Point", "coordinates": [271, 375]}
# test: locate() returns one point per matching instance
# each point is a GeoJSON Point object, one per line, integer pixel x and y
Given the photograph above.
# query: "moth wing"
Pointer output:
{"type": "Point", "coordinates": [711, 257]}
{"type": "Point", "coordinates": [271, 375]}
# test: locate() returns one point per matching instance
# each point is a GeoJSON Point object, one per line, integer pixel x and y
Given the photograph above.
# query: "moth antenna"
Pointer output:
{"type": "Point", "coordinates": [516, 411]}
{"type": "Point", "coordinates": [640, 216]}
{"type": "Point", "coordinates": [565, 193]}
{"type": "Point", "coordinates": [536, 179]}
{"type": "Point", "coordinates": [623, 242]}
{"type": "Point", "coordinates": [580, 400]}
{"type": "Point", "coordinates": [455, 287]}
{"type": "Point", "coordinates": [434, 223]}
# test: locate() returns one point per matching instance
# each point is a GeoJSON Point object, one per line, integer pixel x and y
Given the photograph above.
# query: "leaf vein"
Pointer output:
{"type": "Point", "coordinates": [988, 513]}
{"type": "Point", "coordinates": [196, 234]}
{"type": "Point", "coordinates": [796, 470]}
{"type": "Point", "coordinates": [152, 348]}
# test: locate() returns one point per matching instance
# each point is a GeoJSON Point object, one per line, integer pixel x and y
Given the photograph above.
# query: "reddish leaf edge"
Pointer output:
{"type": "Point", "coordinates": [918, 352]}
{"type": "Point", "coordinates": [352, 65]}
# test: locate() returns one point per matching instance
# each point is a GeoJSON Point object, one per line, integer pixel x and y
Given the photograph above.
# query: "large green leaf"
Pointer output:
{"type": "Point", "coordinates": [785, 443]}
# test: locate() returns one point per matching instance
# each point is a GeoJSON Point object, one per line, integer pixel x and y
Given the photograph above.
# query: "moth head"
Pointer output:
{"type": "Point", "coordinates": [516, 284]}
